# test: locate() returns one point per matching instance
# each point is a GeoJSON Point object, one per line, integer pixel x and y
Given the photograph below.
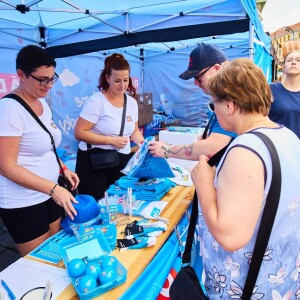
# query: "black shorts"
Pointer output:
{"type": "Point", "coordinates": [28, 223]}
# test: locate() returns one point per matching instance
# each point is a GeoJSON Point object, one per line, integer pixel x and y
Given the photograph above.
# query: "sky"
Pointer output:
{"type": "Point", "coordinates": [279, 13]}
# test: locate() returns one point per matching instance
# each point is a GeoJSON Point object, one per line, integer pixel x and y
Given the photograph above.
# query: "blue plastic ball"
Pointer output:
{"type": "Point", "coordinates": [87, 283]}
{"type": "Point", "coordinates": [93, 268]}
{"type": "Point", "coordinates": [76, 267]}
{"type": "Point", "coordinates": [109, 261]}
{"type": "Point", "coordinates": [107, 275]}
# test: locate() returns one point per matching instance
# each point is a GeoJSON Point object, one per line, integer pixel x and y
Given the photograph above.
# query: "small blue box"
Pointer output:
{"type": "Point", "coordinates": [92, 247]}
{"type": "Point", "coordinates": [109, 230]}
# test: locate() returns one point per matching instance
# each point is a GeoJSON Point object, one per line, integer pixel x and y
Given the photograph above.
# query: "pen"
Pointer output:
{"type": "Point", "coordinates": [48, 290]}
{"type": "Point", "coordinates": [8, 290]}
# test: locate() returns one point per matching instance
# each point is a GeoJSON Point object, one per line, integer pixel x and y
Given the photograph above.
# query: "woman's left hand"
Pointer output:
{"type": "Point", "coordinates": [72, 178]}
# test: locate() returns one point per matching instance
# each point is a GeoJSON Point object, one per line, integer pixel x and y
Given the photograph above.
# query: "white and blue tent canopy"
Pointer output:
{"type": "Point", "coordinates": [73, 27]}
{"type": "Point", "coordinates": [156, 36]}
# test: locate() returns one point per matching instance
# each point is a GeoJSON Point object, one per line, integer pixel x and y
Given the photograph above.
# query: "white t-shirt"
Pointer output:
{"type": "Point", "coordinates": [107, 119]}
{"type": "Point", "coordinates": [35, 151]}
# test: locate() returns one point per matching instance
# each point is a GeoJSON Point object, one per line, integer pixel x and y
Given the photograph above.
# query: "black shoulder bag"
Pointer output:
{"type": "Point", "coordinates": [62, 180]}
{"type": "Point", "coordinates": [107, 158]}
{"type": "Point", "coordinates": [186, 284]}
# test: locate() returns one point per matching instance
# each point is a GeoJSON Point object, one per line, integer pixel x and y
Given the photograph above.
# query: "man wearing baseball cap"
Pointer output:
{"type": "Point", "coordinates": [205, 61]}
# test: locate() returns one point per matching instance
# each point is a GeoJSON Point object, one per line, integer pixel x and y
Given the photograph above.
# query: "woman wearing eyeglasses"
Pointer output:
{"type": "Point", "coordinates": [30, 200]}
{"type": "Point", "coordinates": [233, 195]}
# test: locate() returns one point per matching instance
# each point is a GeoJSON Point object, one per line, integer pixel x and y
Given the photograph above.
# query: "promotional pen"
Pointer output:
{"type": "Point", "coordinates": [8, 290]}
{"type": "Point", "coordinates": [48, 290]}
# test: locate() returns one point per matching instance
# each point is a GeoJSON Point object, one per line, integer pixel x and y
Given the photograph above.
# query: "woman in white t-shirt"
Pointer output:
{"type": "Point", "coordinates": [99, 125]}
{"type": "Point", "coordinates": [30, 200]}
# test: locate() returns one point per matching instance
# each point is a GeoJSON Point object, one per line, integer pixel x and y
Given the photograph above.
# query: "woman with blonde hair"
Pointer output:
{"type": "Point", "coordinates": [232, 196]}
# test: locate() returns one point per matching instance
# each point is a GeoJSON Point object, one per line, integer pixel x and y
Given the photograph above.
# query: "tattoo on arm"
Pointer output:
{"type": "Point", "coordinates": [185, 150]}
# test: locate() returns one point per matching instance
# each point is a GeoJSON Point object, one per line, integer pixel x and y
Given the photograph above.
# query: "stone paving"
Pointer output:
{"type": "Point", "coordinates": [8, 251]}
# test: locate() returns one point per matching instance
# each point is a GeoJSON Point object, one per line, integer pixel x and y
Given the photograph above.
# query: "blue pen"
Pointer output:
{"type": "Point", "coordinates": [8, 290]}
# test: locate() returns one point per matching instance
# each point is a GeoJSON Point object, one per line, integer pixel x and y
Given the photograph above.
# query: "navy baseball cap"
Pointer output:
{"type": "Point", "coordinates": [204, 56]}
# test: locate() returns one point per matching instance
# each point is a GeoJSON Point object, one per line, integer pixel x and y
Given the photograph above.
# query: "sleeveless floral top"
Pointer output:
{"type": "Point", "coordinates": [279, 277]}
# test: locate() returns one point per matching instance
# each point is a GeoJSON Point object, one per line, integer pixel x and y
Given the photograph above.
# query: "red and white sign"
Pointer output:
{"type": "Point", "coordinates": [8, 82]}
{"type": "Point", "coordinates": [164, 293]}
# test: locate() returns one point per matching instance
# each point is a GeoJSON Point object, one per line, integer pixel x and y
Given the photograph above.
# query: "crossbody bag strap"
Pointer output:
{"type": "Point", "coordinates": [265, 227]}
{"type": "Point", "coordinates": [89, 146]}
{"type": "Point", "coordinates": [186, 256]}
{"type": "Point", "coordinates": [267, 219]}
{"type": "Point", "coordinates": [214, 160]}
{"type": "Point", "coordinates": [33, 114]}
{"type": "Point", "coordinates": [123, 115]}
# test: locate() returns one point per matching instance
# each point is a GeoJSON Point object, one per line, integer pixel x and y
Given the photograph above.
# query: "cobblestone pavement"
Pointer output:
{"type": "Point", "coordinates": [8, 251]}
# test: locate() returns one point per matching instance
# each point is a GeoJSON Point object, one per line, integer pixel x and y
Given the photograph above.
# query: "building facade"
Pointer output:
{"type": "Point", "coordinates": [284, 38]}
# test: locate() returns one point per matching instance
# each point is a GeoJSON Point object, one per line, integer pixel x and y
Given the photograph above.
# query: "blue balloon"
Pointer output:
{"type": "Point", "coordinates": [87, 283]}
{"type": "Point", "coordinates": [109, 261]}
{"type": "Point", "coordinates": [76, 267]}
{"type": "Point", "coordinates": [107, 275]}
{"type": "Point", "coordinates": [93, 268]}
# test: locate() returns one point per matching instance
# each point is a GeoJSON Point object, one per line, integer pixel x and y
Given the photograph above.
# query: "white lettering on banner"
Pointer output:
{"type": "Point", "coordinates": [80, 101]}
{"type": "Point", "coordinates": [8, 82]}
{"type": "Point", "coordinates": [67, 124]}
{"type": "Point", "coordinates": [3, 88]}
{"type": "Point", "coordinates": [15, 83]}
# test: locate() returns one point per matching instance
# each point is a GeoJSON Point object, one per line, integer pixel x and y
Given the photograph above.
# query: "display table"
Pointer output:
{"type": "Point", "coordinates": [136, 260]}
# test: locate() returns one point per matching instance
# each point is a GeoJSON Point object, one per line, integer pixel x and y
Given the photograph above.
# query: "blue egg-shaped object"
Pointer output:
{"type": "Point", "coordinates": [109, 261]}
{"type": "Point", "coordinates": [107, 274]}
{"type": "Point", "coordinates": [76, 267]}
{"type": "Point", "coordinates": [87, 283]}
{"type": "Point", "coordinates": [93, 268]}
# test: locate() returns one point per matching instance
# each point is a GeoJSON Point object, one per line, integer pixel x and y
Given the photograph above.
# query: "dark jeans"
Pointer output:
{"type": "Point", "coordinates": [96, 182]}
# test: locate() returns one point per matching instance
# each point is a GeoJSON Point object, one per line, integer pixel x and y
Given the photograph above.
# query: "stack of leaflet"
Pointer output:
{"type": "Point", "coordinates": [148, 190]}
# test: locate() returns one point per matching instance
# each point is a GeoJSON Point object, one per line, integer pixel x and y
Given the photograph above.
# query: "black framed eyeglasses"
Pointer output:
{"type": "Point", "coordinates": [44, 82]}
{"type": "Point", "coordinates": [211, 106]}
{"type": "Point", "coordinates": [201, 75]}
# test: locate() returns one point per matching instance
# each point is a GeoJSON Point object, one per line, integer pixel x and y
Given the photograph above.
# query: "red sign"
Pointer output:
{"type": "Point", "coordinates": [8, 82]}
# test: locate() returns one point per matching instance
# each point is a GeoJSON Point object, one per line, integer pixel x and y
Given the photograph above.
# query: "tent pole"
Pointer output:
{"type": "Point", "coordinates": [142, 64]}
{"type": "Point", "coordinates": [251, 45]}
